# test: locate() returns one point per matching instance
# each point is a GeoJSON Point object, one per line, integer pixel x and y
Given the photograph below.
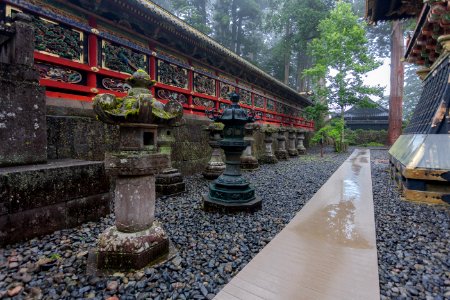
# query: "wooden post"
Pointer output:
{"type": "Point", "coordinates": [92, 57]}
{"type": "Point", "coordinates": [397, 78]}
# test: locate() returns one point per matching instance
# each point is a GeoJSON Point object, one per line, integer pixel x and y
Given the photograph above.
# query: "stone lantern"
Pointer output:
{"type": "Point", "coordinates": [281, 153]}
{"type": "Point", "coordinates": [300, 137]}
{"type": "Point", "coordinates": [248, 161]}
{"type": "Point", "coordinates": [137, 238]}
{"type": "Point", "coordinates": [169, 181]}
{"type": "Point", "coordinates": [231, 191]}
{"type": "Point", "coordinates": [292, 150]}
{"type": "Point", "coordinates": [215, 166]}
{"type": "Point", "coordinates": [268, 157]}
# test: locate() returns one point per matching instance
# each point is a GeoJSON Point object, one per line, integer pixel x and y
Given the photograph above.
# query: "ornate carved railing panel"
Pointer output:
{"type": "Point", "coordinates": [172, 74]}
{"type": "Point", "coordinates": [204, 84]}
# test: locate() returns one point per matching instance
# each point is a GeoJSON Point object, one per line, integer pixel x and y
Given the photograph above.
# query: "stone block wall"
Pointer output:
{"type": "Point", "coordinates": [22, 100]}
{"type": "Point", "coordinates": [39, 199]}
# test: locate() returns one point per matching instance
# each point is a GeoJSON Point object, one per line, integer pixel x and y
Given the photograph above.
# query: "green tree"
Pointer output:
{"type": "Point", "coordinates": [295, 22]}
{"type": "Point", "coordinates": [193, 12]}
{"type": "Point", "coordinates": [341, 56]}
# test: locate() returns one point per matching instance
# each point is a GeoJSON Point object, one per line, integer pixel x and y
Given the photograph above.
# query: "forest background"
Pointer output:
{"type": "Point", "coordinates": [275, 34]}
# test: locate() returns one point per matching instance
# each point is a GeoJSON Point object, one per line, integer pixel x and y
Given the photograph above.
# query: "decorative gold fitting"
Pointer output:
{"type": "Point", "coordinates": [154, 53]}
{"type": "Point", "coordinates": [95, 31]}
{"type": "Point", "coordinates": [94, 90]}
{"type": "Point", "coordinates": [192, 106]}
{"type": "Point", "coordinates": [192, 92]}
{"type": "Point", "coordinates": [94, 69]}
{"type": "Point", "coordinates": [192, 68]}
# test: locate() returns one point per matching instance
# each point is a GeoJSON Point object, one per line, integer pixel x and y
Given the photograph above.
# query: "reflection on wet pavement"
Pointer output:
{"type": "Point", "coordinates": [327, 251]}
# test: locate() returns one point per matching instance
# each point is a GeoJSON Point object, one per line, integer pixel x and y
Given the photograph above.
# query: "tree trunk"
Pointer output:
{"type": "Point", "coordinates": [233, 25]}
{"type": "Point", "coordinates": [397, 78]}
{"type": "Point", "coordinates": [301, 64]}
{"type": "Point", "coordinates": [202, 9]}
{"type": "Point", "coordinates": [239, 36]}
{"type": "Point", "coordinates": [287, 52]}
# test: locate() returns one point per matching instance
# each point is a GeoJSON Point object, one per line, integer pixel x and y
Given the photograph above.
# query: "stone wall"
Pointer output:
{"type": "Point", "coordinates": [22, 100]}
{"type": "Point", "coordinates": [74, 132]}
{"type": "Point", "coordinates": [39, 199]}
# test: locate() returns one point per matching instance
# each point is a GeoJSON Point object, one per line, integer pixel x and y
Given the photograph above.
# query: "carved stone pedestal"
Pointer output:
{"type": "Point", "coordinates": [300, 147]}
{"type": "Point", "coordinates": [169, 181]}
{"type": "Point", "coordinates": [215, 166]}
{"type": "Point", "coordinates": [136, 239]}
{"type": "Point", "coordinates": [292, 150]}
{"type": "Point", "coordinates": [248, 161]}
{"type": "Point", "coordinates": [281, 153]}
{"type": "Point", "coordinates": [268, 157]}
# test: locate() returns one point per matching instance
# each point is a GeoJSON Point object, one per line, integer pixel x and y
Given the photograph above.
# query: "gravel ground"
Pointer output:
{"type": "Point", "coordinates": [413, 241]}
{"type": "Point", "coordinates": [212, 247]}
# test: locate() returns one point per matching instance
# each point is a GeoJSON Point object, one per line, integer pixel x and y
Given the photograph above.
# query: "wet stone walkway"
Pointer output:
{"type": "Point", "coordinates": [212, 247]}
{"type": "Point", "coordinates": [327, 251]}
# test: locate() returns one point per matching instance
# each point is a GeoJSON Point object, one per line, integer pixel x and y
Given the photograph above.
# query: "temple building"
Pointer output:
{"type": "Point", "coordinates": [419, 159]}
{"type": "Point", "coordinates": [84, 48]}
{"type": "Point", "coordinates": [367, 118]}
{"type": "Point", "coordinates": [52, 174]}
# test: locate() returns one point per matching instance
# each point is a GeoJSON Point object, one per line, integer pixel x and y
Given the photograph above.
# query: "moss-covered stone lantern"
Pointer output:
{"type": "Point", "coordinates": [137, 238]}
{"type": "Point", "coordinates": [231, 191]}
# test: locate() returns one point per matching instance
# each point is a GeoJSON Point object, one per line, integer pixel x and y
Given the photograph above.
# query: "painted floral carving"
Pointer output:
{"type": "Point", "coordinates": [114, 84]}
{"type": "Point", "coordinates": [58, 73]}
{"type": "Point", "coordinates": [259, 101]}
{"type": "Point", "coordinates": [170, 95]}
{"type": "Point", "coordinates": [171, 74]}
{"type": "Point", "coordinates": [246, 96]}
{"type": "Point", "coordinates": [122, 59]}
{"type": "Point", "coordinates": [203, 102]}
{"type": "Point", "coordinates": [270, 104]}
{"type": "Point", "coordinates": [204, 85]}
{"type": "Point", "coordinates": [226, 89]}
{"type": "Point", "coordinates": [57, 39]}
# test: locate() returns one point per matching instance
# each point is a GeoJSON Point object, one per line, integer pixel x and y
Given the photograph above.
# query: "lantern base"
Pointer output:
{"type": "Point", "coordinates": [249, 163]}
{"type": "Point", "coordinates": [125, 251]}
{"type": "Point", "coordinates": [169, 182]}
{"type": "Point", "coordinates": [215, 205]}
{"type": "Point", "coordinates": [268, 159]}
{"type": "Point", "coordinates": [282, 154]}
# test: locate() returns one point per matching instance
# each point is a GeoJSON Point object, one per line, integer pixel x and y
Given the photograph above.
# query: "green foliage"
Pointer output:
{"type": "Point", "coordinates": [341, 56]}
{"type": "Point", "coordinates": [317, 113]}
{"type": "Point", "coordinates": [360, 137]}
{"type": "Point", "coordinates": [55, 256]}
{"type": "Point", "coordinates": [332, 131]}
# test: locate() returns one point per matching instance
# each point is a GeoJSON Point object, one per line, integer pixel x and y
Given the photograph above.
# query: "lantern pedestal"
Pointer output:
{"type": "Point", "coordinates": [169, 182]}
{"type": "Point", "coordinates": [248, 161]}
{"type": "Point", "coordinates": [281, 153]}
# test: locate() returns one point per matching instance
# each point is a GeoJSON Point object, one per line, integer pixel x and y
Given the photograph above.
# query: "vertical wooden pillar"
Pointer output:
{"type": "Point", "coordinates": [397, 78]}
{"type": "Point", "coordinates": [152, 71]}
{"type": "Point", "coordinates": [92, 56]}
{"type": "Point", "coordinates": [190, 88]}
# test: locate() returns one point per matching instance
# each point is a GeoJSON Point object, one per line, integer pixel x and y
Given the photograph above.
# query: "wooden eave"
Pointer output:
{"type": "Point", "coordinates": [389, 10]}
{"type": "Point", "coordinates": [423, 47]}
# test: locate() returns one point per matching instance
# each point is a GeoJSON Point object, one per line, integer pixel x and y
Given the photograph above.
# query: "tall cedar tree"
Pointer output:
{"type": "Point", "coordinates": [341, 56]}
